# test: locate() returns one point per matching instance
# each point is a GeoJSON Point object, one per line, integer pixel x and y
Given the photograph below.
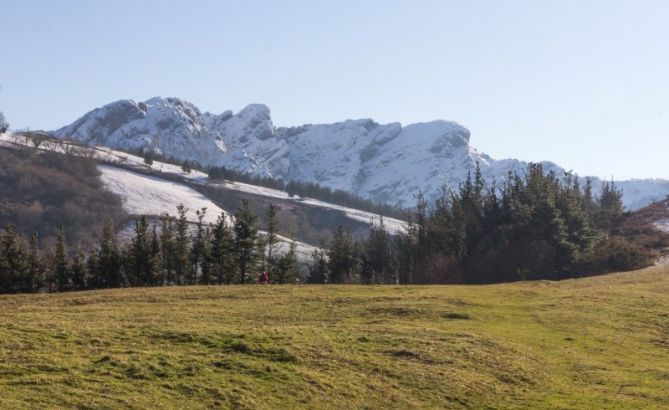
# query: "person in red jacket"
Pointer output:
{"type": "Point", "coordinates": [263, 279]}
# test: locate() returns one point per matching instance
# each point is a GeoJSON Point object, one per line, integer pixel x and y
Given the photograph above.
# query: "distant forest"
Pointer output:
{"type": "Point", "coordinates": [41, 191]}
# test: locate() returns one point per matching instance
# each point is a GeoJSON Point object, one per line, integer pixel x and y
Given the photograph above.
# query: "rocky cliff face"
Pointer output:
{"type": "Point", "coordinates": [384, 162]}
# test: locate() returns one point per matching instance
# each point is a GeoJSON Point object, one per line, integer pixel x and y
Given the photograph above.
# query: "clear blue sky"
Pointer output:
{"type": "Point", "coordinates": [582, 83]}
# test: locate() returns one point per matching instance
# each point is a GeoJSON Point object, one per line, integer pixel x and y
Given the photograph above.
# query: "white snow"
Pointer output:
{"type": "Point", "coordinates": [662, 225]}
{"type": "Point", "coordinates": [122, 158]}
{"type": "Point", "coordinates": [392, 225]}
{"type": "Point", "coordinates": [103, 153]}
{"type": "Point", "coordinates": [148, 195]}
{"type": "Point", "coordinates": [382, 162]}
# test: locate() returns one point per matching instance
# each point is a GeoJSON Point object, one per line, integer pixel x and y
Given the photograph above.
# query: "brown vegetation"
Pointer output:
{"type": "Point", "coordinates": [39, 192]}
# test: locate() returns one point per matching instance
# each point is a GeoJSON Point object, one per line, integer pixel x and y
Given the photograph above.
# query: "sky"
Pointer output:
{"type": "Point", "coordinates": [584, 84]}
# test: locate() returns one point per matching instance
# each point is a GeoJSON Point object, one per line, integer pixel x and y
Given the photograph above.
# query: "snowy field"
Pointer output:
{"type": "Point", "coordinates": [107, 154]}
{"type": "Point", "coordinates": [148, 195]}
{"type": "Point", "coordinates": [662, 225]}
{"type": "Point", "coordinates": [392, 225]}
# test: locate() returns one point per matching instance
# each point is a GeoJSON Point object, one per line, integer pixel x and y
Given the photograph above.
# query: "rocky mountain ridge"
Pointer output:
{"type": "Point", "coordinates": [383, 162]}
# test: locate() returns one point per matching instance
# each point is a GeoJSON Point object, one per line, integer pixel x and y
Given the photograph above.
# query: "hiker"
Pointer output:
{"type": "Point", "coordinates": [263, 279]}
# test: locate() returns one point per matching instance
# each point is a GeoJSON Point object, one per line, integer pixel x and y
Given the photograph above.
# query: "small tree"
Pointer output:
{"type": "Point", "coordinates": [199, 249]}
{"type": "Point", "coordinates": [271, 236]}
{"type": "Point", "coordinates": [167, 249]}
{"type": "Point", "coordinates": [248, 245]}
{"type": "Point", "coordinates": [222, 252]}
{"type": "Point", "coordinates": [61, 268]}
{"type": "Point", "coordinates": [341, 255]}
{"type": "Point", "coordinates": [35, 265]}
{"type": "Point", "coordinates": [181, 245]}
{"type": "Point", "coordinates": [78, 271]}
{"type": "Point", "coordinates": [285, 270]}
{"type": "Point", "coordinates": [105, 263]}
{"type": "Point", "coordinates": [148, 158]}
{"type": "Point", "coordinates": [141, 264]}
{"type": "Point", "coordinates": [318, 268]}
{"type": "Point", "coordinates": [4, 126]}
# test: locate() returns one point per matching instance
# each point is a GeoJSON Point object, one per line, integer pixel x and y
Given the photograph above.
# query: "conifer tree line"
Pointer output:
{"type": "Point", "coordinates": [168, 251]}
{"type": "Point", "coordinates": [536, 226]}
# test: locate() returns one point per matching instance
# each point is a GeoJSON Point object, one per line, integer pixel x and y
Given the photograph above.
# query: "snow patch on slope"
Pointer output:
{"type": "Point", "coordinates": [148, 195]}
{"type": "Point", "coordinates": [392, 225]}
{"type": "Point", "coordinates": [662, 225]}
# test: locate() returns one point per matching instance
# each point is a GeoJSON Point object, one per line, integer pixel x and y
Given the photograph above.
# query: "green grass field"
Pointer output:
{"type": "Point", "coordinates": [589, 343]}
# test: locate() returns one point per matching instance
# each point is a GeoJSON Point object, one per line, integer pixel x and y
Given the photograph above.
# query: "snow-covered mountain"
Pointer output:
{"type": "Point", "coordinates": [383, 162]}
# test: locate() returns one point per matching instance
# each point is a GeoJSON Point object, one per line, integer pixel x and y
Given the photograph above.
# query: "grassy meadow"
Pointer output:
{"type": "Point", "coordinates": [599, 342]}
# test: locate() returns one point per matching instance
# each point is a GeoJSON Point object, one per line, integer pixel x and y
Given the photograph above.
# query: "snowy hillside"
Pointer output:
{"type": "Point", "coordinates": [382, 162]}
{"type": "Point", "coordinates": [148, 195]}
{"type": "Point", "coordinates": [151, 195]}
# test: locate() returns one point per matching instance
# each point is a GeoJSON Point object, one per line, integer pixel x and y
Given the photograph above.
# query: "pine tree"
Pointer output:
{"type": "Point", "coordinates": [105, 265]}
{"type": "Point", "coordinates": [376, 256]}
{"type": "Point", "coordinates": [248, 246]}
{"type": "Point", "coordinates": [318, 268]}
{"type": "Point", "coordinates": [198, 253]}
{"type": "Point", "coordinates": [61, 266]}
{"type": "Point", "coordinates": [341, 257]}
{"type": "Point", "coordinates": [404, 254]}
{"type": "Point", "coordinates": [588, 203]}
{"type": "Point", "coordinates": [206, 268]}
{"type": "Point", "coordinates": [421, 219]}
{"type": "Point", "coordinates": [4, 126]}
{"type": "Point", "coordinates": [272, 228]}
{"type": "Point", "coordinates": [141, 265]}
{"type": "Point", "coordinates": [78, 272]}
{"type": "Point", "coordinates": [13, 262]}
{"type": "Point", "coordinates": [610, 206]}
{"type": "Point", "coordinates": [157, 277]}
{"type": "Point", "coordinates": [181, 246]}
{"type": "Point", "coordinates": [285, 270]}
{"type": "Point", "coordinates": [167, 250]}
{"type": "Point", "coordinates": [222, 254]}
{"type": "Point", "coordinates": [148, 157]}
{"type": "Point", "coordinates": [35, 265]}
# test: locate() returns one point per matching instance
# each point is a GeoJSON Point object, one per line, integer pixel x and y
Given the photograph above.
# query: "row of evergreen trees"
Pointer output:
{"type": "Point", "coordinates": [536, 226]}
{"type": "Point", "coordinates": [166, 252]}
{"type": "Point", "coordinates": [349, 260]}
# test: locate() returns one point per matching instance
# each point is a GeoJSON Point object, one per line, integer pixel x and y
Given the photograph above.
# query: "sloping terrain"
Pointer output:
{"type": "Point", "coordinates": [148, 195]}
{"type": "Point", "coordinates": [599, 342]}
{"type": "Point", "coordinates": [387, 163]}
{"type": "Point", "coordinates": [307, 219]}
{"type": "Point", "coordinates": [39, 193]}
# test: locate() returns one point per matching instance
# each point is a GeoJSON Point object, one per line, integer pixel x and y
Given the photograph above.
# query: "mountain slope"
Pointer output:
{"type": "Point", "coordinates": [41, 193]}
{"type": "Point", "coordinates": [158, 188]}
{"type": "Point", "coordinates": [383, 162]}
